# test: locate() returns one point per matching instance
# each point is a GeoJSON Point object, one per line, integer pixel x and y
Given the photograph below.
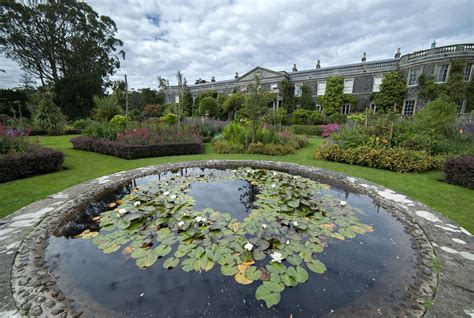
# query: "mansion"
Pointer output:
{"type": "Point", "coordinates": [360, 79]}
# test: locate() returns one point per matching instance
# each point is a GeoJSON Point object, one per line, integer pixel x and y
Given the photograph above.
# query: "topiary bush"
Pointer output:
{"type": "Point", "coordinates": [394, 159]}
{"type": "Point", "coordinates": [208, 106]}
{"type": "Point", "coordinates": [460, 171]}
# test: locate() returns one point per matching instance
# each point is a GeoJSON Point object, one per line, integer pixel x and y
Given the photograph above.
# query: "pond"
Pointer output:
{"type": "Point", "coordinates": [245, 242]}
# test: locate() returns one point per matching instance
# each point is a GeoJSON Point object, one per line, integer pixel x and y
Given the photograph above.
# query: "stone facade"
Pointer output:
{"type": "Point", "coordinates": [364, 76]}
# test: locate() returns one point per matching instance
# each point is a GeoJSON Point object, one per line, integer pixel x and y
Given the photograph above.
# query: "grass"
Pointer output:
{"type": "Point", "coordinates": [454, 202]}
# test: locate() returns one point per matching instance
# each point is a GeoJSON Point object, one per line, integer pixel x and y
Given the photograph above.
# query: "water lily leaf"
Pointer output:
{"type": "Point", "coordinates": [275, 268]}
{"type": "Point", "coordinates": [258, 255]}
{"type": "Point", "coordinates": [338, 236]}
{"type": "Point", "coordinates": [170, 262]}
{"type": "Point", "coordinates": [147, 261]}
{"type": "Point", "coordinates": [241, 279]}
{"type": "Point", "coordinates": [294, 203]}
{"type": "Point", "coordinates": [111, 249]}
{"type": "Point", "coordinates": [228, 270]}
{"type": "Point", "coordinates": [273, 287]}
{"type": "Point", "coordinates": [162, 250]}
{"type": "Point", "coordinates": [316, 266]}
{"type": "Point", "coordinates": [253, 273]}
{"type": "Point", "coordinates": [347, 233]}
{"type": "Point", "coordinates": [301, 274]}
{"type": "Point", "coordinates": [209, 265]}
{"type": "Point", "coordinates": [140, 252]}
{"type": "Point", "coordinates": [294, 260]}
{"type": "Point", "coordinates": [288, 281]}
{"type": "Point", "coordinates": [127, 250]}
{"type": "Point", "coordinates": [187, 265]}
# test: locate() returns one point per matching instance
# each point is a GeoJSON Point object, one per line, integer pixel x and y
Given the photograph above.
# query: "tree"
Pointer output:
{"type": "Point", "coordinates": [152, 110]}
{"type": "Point", "coordinates": [334, 97]}
{"type": "Point", "coordinates": [208, 107]}
{"type": "Point", "coordinates": [48, 116]}
{"type": "Point", "coordinates": [181, 90]}
{"type": "Point", "coordinates": [287, 91]}
{"type": "Point", "coordinates": [187, 103]}
{"type": "Point", "coordinates": [392, 92]}
{"type": "Point", "coordinates": [232, 104]}
{"type": "Point", "coordinates": [60, 39]}
{"type": "Point", "coordinates": [106, 107]}
{"type": "Point", "coordinates": [306, 100]}
{"type": "Point", "coordinates": [255, 106]}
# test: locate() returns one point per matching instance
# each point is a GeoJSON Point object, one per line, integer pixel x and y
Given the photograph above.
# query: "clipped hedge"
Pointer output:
{"type": "Point", "coordinates": [310, 130]}
{"type": "Point", "coordinates": [394, 159]}
{"type": "Point", "coordinates": [460, 171]}
{"type": "Point", "coordinates": [270, 149]}
{"type": "Point", "coordinates": [26, 164]}
{"type": "Point", "coordinates": [129, 151]}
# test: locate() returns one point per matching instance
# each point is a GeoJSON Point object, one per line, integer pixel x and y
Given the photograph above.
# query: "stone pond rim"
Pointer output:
{"type": "Point", "coordinates": [28, 289]}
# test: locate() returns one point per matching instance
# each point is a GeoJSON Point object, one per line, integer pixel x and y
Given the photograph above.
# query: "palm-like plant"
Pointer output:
{"type": "Point", "coordinates": [106, 107]}
{"type": "Point", "coordinates": [48, 116]}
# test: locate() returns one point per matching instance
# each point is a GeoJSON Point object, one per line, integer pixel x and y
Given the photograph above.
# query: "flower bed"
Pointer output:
{"type": "Point", "coordinates": [135, 151]}
{"type": "Point", "coordinates": [38, 160]}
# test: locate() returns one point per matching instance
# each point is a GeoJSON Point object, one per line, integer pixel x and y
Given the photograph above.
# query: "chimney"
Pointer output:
{"type": "Point", "coordinates": [213, 79]}
{"type": "Point", "coordinates": [318, 64]}
{"type": "Point", "coordinates": [364, 57]}
{"type": "Point", "coordinates": [433, 45]}
{"type": "Point", "coordinates": [397, 55]}
{"type": "Point", "coordinates": [236, 75]}
{"type": "Point", "coordinates": [294, 68]}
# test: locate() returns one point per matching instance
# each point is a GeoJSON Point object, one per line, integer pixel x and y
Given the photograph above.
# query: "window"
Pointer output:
{"type": "Point", "coordinates": [321, 88]}
{"type": "Point", "coordinates": [413, 75]}
{"type": "Point", "coordinates": [461, 106]}
{"type": "Point", "coordinates": [176, 99]}
{"type": "Point", "coordinates": [348, 85]}
{"type": "Point", "coordinates": [377, 82]}
{"type": "Point", "coordinates": [467, 72]}
{"type": "Point", "coordinates": [409, 107]}
{"type": "Point", "coordinates": [441, 73]}
{"type": "Point", "coordinates": [319, 108]}
{"type": "Point", "coordinates": [373, 107]}
{"type": "Point", "coordinates": [273, 86]}
{"type": "Point", "coordinates": [346, 109]}
{"type": "Point", "coordinates": [298, 89]}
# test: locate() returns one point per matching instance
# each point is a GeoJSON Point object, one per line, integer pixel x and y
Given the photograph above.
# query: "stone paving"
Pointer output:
{"type": "Point", "coordinates": [27, 289]}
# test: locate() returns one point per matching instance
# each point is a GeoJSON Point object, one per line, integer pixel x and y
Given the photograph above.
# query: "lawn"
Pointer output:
{"type": "Point", "coordinates": [454, 202]}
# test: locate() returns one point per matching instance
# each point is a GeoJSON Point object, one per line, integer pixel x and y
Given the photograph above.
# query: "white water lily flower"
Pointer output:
{"type": "Point", "coordinates": [198, 218]}
{"type": "Point", "coordinates": [136, 203]}
{"type": "Point", "coordinates": [274, 173]}
{"type": "Point", "coordinates": [295, 223]}
{"type": "Point", "coordinates": [264, 226]}
{"type": "Point", "coordinates": [343, 203]}
{"type": "Point", "coordinates": [166, 193]}
{"type": "Point", "coordinates": [248, 246]}
{"type": "Point", "coordinates": [204, 220]}
{"type": "Point", "coordinates": [180, 224]}
{"type": "Point", "coordinates": [274, 185]}
{"type": "Point", "coordinates": [173, 197]}
{"type": "Point", "coordinates": [122, 211]}
{"type": "Point", "coordinates": [276, 257]}
{"type": "Point", "coordinates": [287, 242]}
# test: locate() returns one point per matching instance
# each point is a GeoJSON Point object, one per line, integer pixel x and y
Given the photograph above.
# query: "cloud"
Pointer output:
{"type": "Point", "coordinates": [216, 38]}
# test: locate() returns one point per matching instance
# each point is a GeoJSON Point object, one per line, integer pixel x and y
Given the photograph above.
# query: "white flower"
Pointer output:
{"type": "Point", "coordinates": [343, 203]}
{"type": "Point", "coordinates": [274, 185]}
{"type": "Point", "coordinates": [166, 193]}
{"type": "Point", "coordinates": [249, 170]}
{"type": "Point", "coordinates": [204, 220]}
{"type": "Point", "coordinates": [180, 224]}
{"type": "Point", "coordinates": [198, 218]}
{"type": "Point", "coordinates": [276, 257]}
{"type": "Point", "coordinates": [122, 211]}
{"type": "Point", "coordinates": [136, 203]}
{"type": "Point", "coordinates": [295, 223]}
{"type": "Point", "coordinates": [264, 226]}
{"type": "Point", "coordinates": [274, 173]}
{"type": "Point", "coordinates": [287, 242]}
{"type": "Point", "coordinates": [173, 197]}
{"type": "Point", "coordinates": [248, 246]}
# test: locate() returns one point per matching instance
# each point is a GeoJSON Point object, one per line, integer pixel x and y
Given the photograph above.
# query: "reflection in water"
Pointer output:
{"type": "Point", "coordinates": [369, 272]}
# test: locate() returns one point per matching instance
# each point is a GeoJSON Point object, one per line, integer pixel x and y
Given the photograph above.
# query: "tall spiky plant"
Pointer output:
{"type": "Point", "coordinates": [48, 116]}
{"type": "Point", "coordinates": [106, 107]}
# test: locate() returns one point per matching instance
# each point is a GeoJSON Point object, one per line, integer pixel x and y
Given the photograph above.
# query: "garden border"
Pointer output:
{"type": "Point", "coordinates": [32, 289]}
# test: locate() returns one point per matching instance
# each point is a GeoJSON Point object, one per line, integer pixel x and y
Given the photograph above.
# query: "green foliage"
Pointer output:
{"type": "Point", "coordinates": [358, 118]}
{"type": "Point", "coordinates": [394, 159]}
{"type": "Point", "coordinates": [106, 130]}
{"type": "Point", "coordinates": [106, 107]}
{"type": "Point", "coordinates": [306, 100]}
{"type": "Point", "coordinates": [270, 149]}
{"type": "Point", "coordinates": [287, 92]}
{"type": "Point", "coordinates": [48, 116]}
{"type": "Point", "coordinates": [82, 123]}
{"type": "Point", "coordinates": [308, 117]}
{"type": "Point", "coordinates": [197, 101]}
{"type": "Point", "coordinates": [119, 120]}
{"type": "Point", "coordinates": [12, 101]}
{"type": "Point", "coordinates": [334, 97]}
{"type": "Point", "coordinates": [310, 130]}
{"type": "Point", "coordinates": [255, 106]}
{"type": "Point", "coordinates": [187, 103]}
{"type": "Point", "coordinates": [170, 119]}
{"type": "Point", "coordinates": [392, 92]}
{"type": "Point", "coordinates": [232, 104]}
{"type": "Point", "coordinates": [152, 110]}
{"type": "Point", "coordinates": [337, 118]}
{"type": "Point", "coordinates": [208, 107]}
{"type": "Point", "coordinates": [236, 134]}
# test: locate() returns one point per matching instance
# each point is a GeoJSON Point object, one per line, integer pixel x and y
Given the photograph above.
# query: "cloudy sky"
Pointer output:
{"type": "Point", "coordinates": [218, 38]}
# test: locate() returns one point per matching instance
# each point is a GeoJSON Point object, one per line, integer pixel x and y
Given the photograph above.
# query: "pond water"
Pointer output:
{"type": "Point", "coordinates": [365, 276]}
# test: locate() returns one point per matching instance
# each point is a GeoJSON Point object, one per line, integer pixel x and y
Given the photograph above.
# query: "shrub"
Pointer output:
{"type": "Point", "coordinates": [170, 119]}
{"type": "Point", "coordinates": [119, 120]}
{"type": "Point", "coordinates": [270, 149]}
{"type": "Point", "coordinates": [105, 130]}
{"type": "Point", "coordinates": [208, 106]}
{"type": "Point", "coordinates": [337, 118]}
{"type": "Point", "coordinates": [394, 159]}
{"type": "Point", "coordinates": [106, 107]}
{"type": "Point", "coordinates": [310, 130]}
{"type": "Point", "coordinates": [148, 136]}
{"type": "Point", "coordinates": [308, 117]}
{"type": "Point", "coordinates": [329, 129]}
{"type": "Point", "coordinates": [152, 110]}
{"type": "Point", "coordinates": [223, 146]}
{"type": "Point", "coordinates": [13, 139]}
{"type": "Point", "coordinates": [129, 151]}
{"type": "Point", "coordinates": [37, 161]}
{"type": "Point", "coordinates": [81, 123]}
{"type": "Point", "coordinates": [48, 116]}
{"type": "Point", "coordinates": [237, 134]}
{"type": "Point", "coordinates": [460, 171]}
